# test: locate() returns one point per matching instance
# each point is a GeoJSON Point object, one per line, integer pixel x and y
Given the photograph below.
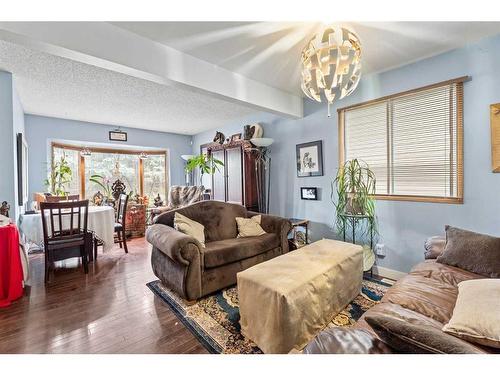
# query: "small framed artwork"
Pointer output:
{"type": "Point", "coordinates": [116, 135]}
{"type": "Point", "coordinates": [236, 137]}
{"type": "Point", "coordinates": [310, 159]}
{"type": "Point", "coordinates": [309, 193]}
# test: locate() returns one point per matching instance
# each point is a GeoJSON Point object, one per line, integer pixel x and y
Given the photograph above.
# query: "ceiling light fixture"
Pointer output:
{"type": "Point", "coordinates": [331, 64]}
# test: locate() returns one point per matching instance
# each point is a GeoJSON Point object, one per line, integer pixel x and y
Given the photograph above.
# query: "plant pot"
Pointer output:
{"type": "Point", "coordinates": [352, 205]}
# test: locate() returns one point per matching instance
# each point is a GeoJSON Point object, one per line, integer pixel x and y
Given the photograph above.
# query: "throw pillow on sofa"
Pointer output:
{"type": "Point", "coordinates": [250, 227]}
{"type": "Point", "coordinates": [190, 227]}
{"type": "Point", "coordinates": [410, 338]}
{"type": "Point", "coordinates": [476, 316]}
{"type": "Point", "coordinates": [474, 252]}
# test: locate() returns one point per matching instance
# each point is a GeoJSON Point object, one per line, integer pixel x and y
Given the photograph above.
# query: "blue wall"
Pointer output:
{"type": "Point", "coordinates": [40, 131]}
{"type": "Point", "coordinates": [403, 225]}
{"type": "Point", "coordinates": [11, 123]}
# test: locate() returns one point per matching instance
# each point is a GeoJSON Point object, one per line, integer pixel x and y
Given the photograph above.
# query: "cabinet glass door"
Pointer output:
{"type": "Point", "coordinates": [234, 175]}
{"type": "Point", "coordinates": [219, 185]}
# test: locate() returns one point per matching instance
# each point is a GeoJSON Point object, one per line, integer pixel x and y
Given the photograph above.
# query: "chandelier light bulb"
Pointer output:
{"type": "Point", "coordinates": [331, 65]}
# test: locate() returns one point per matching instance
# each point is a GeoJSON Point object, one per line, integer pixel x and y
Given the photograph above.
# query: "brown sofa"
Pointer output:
{"type": "Point", "coordinates": [193, 271]}
{"type": "Point", "coordinates": [426, 296]}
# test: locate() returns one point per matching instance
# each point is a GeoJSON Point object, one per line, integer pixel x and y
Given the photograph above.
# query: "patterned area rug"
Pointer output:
{"type": "Point", "coordinates": [214, 319]}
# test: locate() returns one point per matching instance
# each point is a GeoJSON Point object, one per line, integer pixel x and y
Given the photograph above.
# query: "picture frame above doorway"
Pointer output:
{"type": "Point", "coordinates": [117, 135]}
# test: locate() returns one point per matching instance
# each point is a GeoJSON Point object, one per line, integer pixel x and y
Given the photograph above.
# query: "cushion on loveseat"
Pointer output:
{"type": "Point", "coordinates": [219, 253]}
{"type": "Point", "coordinates": [415, 338]}
{"type": "Point", "coordinates": [434, 246]}
{"type": "Point", "coordinates": [471, 251]}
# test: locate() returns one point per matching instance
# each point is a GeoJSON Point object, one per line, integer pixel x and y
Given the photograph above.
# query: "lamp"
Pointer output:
{"type": "Point", "coordinates": [186, 157]}
{"type": "Point", "coordinates": [262, 142]}
{"type": "Point", "coordinates": [331, 65]}
{"type": "Point", "coordinates": [85, 152]}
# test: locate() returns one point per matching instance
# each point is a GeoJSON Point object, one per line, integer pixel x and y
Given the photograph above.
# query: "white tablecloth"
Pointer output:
{"type": "Point", "coordinates": [101, 221]}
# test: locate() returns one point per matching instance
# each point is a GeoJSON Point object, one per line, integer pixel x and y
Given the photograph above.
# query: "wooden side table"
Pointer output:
{"type": "Point", "coordinates": [296, 223]}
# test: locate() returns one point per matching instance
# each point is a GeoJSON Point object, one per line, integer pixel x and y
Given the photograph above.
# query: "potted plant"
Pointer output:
{"type": "Point", "coordinates": [60, 177]}
{"type": "Point", "coordinates": [352, 193]}
{"type": "Point", "coordinates": [206, 163]}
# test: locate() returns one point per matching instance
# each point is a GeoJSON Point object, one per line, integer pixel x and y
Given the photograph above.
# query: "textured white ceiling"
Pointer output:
{"type": "Point", "coordinates": [53, 86]}
{"type": "Point", "coordinates": [270, 52]}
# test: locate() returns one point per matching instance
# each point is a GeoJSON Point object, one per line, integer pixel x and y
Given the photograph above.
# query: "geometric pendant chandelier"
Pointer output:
{"type": "Point", "coordinates": [331, 65]}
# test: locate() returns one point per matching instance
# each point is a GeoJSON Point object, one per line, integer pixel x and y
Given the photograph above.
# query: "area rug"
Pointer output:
{"type": "Point", "coordinates": [214, 319]}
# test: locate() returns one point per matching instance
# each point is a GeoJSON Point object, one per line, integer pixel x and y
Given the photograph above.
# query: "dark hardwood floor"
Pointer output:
{"type": "Point", "coordinates": [110, 310]}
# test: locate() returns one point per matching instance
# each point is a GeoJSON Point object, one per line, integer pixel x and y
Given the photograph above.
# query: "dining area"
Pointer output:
{"type": "Point", "coordinates": [65, 227]}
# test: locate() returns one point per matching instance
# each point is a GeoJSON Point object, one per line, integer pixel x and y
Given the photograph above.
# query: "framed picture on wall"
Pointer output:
{"type": "Point", "coordinates": [236, 137]}
{"type": "Point", "coordinates": [117, 135]}
{"type": "Point", "coordinates": [22, 170]}
{"type": "Point", "coordinates": [309, 193]}
{"type": "Point", "coordinates": [310, 159]}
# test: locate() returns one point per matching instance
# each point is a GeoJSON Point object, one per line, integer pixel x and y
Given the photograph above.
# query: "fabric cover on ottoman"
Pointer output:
{"type": "Point", "coordinates": [286, 301]}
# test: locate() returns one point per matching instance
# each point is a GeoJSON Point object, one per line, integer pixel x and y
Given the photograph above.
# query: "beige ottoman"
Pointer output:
{"type": "Point", "coordinates": [286, 301]}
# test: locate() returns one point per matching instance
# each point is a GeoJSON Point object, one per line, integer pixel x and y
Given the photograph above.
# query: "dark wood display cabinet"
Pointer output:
{"type": "Point", "coordinates": [236, 182]}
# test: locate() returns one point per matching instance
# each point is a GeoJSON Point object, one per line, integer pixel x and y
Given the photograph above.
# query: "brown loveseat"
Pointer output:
{"type": "Point", "coordinates": [192, 271]}
{"type": "Point", "coordinates": [425, 297]}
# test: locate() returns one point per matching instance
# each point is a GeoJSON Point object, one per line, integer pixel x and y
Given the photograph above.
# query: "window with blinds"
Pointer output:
{"type": "Point", "coordinates": [412, 142]}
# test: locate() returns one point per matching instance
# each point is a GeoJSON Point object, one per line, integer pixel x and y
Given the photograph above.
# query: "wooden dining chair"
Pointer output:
{"type": "Point", "coordinates": [65, 232]}
{"type": "Point", "coordinates": [62, 198]}
{"type": "Point", "coordinates": [121, 217]}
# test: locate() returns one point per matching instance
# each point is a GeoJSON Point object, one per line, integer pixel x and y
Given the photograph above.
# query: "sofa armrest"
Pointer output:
{"type": "Point", "coordinates": [346, 340]}
{"type": "Point", "coordinates": [275, 224]}
{"type": "Point", "coordinates": [178, 246]}
{"type": "Point", "coordinates": [434, 246]}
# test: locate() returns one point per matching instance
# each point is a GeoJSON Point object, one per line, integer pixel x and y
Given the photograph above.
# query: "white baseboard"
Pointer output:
{"type": "Point", "coordinates": [387, 272]}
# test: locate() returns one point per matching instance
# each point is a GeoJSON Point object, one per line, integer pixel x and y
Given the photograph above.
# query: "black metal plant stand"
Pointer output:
{"type": "Point", "coordinates": [353, 221]}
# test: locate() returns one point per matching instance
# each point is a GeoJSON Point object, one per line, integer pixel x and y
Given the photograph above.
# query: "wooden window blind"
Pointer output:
{"type": "Point", "coordinates": [412, 141]}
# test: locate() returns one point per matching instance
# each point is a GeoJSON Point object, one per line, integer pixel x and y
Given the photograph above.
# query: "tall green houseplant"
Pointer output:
{"type": "Point", "coordinates": [353, 191]}
{"type": "Point", "coordinates": [60, 177]}
{"type": "Point", "coordinates": [205, 163]}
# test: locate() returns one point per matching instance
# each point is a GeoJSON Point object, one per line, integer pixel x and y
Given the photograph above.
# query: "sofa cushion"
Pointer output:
{"type": "Point", "coordinates": [475, 252]}
{"type": "Point", "coordinates": [434, 246]}
{"type": "Point", "coordinates": [219, 253]}
{"type": "Point", "coordinates": [476, 316]}
{"type": "Point", "coordinates": [249, 227]}
{"type": "Point", "coordinates": [443, 273]}
{"type": "Point", "coordinates": [190, 227]}
{"type": "Point", "coordinates": [406, 337]}
{"type": "Point", "coordinates": [425, 295]}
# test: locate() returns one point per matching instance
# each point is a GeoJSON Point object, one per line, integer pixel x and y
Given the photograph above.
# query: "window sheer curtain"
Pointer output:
{"type": "Point", "coordinates": [412, 142]}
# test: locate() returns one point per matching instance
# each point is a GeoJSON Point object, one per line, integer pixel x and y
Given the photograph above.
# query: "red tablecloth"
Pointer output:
{"type": "Point", "coordinates": [11, 270]}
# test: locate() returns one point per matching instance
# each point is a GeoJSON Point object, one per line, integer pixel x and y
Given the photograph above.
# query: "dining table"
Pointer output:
{"type": "Point", "coordinates": [101, 221]}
